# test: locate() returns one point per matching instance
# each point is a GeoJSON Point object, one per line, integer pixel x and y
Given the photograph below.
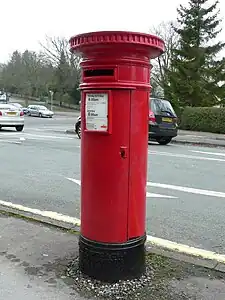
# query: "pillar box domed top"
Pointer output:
{"type": "Point", "coordinates": [117, 43]}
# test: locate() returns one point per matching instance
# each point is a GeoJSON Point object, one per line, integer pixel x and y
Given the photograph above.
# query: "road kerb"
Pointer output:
{"type": "Point", "coordinates": [185, 249]}
{"type": "Point", "coordinates": [68, 222]}
{"type": "Point", "coordinates": [174, 141]}
{"type": "Point", "coordinates": [199, 143]}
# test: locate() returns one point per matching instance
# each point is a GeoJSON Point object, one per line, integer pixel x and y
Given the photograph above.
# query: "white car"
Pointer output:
{"type": "Point", "coordinates": [39, 111]}
{"type": "Point", "coordinates": [10, 116]}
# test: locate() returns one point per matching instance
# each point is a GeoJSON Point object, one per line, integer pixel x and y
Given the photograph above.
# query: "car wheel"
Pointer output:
{"type": "Point", "coordinates": [40, 115]}
{"type": "Point", "coordinates": [19, 128]}
{"type": "Point", "coordinates": [28, 113]}
{"type": "Point", "coordinates": [164, 141]}
{"type": "Point", "coordinates": [78, 130]}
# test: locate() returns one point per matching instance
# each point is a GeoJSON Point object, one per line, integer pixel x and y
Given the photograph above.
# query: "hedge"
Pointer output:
{"type": "Point", "coordinates": [208, 119]}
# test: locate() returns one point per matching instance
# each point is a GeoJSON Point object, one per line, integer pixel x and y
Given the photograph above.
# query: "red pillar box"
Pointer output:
{"type": "Point", "coordinates": [115, 106]}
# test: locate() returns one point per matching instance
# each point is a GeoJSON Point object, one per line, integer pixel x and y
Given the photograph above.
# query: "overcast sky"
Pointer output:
{"type": "Point", "coordinates": [25, 23]}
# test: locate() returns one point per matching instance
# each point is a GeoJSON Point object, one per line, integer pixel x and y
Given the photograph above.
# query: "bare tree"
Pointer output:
{"type": "Point", "coordinates": [54, 47]}
{"type": "Point", "coordinates": [66, 79]}
{"type": "Point", "coordinates": [161, 65]}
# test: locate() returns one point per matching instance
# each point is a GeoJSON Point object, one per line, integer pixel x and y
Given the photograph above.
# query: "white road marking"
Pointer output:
{"type": "Point", "coordinates": [48, 136]}
{"type": "Point", "coordinates": [185, 156]}
{"type": "Point", "coordinates": [148, 195]}
{"type": "Point", "coordinates": [74, 180]}
{"type": "Point", "coordinates": [59, 129]}
{"type": "Point", "coordinates": [208, 153]}
{"type": "Point", "coordinates": [172, 187]}
{"type": "Point", "coordinates": [187, 189]}
{"type": "Point", "coordinates": [11, 141]}
{"type": "Point", "coordinates": [11, 133]}
{"type": "Point", "coordinates": [151, 240]}
{"type": "Point", "coordinates": [152, 195]}
{"type": "Point", "coordinates": [30, 136]}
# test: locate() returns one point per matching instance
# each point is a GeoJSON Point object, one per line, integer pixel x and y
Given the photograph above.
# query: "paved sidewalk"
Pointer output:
{"type": "Point", "coordinates": [34, 260]}
{"type": "Point", "coordinates": [200, 138]}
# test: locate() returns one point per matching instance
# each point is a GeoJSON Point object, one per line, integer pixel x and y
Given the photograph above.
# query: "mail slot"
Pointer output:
{"type": "Point", "coordinates": [98, 72]}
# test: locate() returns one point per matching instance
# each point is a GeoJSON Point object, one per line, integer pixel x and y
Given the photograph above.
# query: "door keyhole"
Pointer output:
{"type": "Point", "coordinates": [123, 152]}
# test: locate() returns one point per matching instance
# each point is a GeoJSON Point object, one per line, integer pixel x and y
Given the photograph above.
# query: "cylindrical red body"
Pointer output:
{"type": "Point", "coordinates": [115, 106]}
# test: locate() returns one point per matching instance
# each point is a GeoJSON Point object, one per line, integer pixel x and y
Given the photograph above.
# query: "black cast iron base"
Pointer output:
{"type": "Point", "coordinates": [112, 262]}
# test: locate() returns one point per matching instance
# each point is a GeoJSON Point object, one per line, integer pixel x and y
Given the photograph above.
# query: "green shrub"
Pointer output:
{"type": "Point", "coordinates": [179, 111]}
{"type": "Point", "coordinates": [208, 119]}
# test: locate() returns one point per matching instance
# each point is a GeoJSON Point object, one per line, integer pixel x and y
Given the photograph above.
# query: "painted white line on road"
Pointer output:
{"type": "Point", "coordinates": [74, 180]}
{"type": "Point", "coordinates": [11, 133]}
{"type": "Point", "coordinates": [187, 189]}
{"type": "Point", "coordinates": [152, 195]}
{"type": "Point", "coordinates": [49, 214]}
{"type": "Point", "coordinates": [48, 136]}
{"type": "Point", "coordinates": [11, 141]}
{"type": "Point", "coordinates": [151, 240]}
{"type": "Point", "coordinates": [172, 187]}
{"type": "Point", "coordinates": [59, 129]}
{"type": "Point", "coordinates": [148, 195]}
{"type": "Point", "coordinates": [35, 136]}
{"type": "Point", "coordinates": [185, 156]}
{"type": "Point", "coordinates": [208, 153]}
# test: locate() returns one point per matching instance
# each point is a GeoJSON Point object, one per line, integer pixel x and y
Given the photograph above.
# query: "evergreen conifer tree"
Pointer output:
{"type": "Point", "coordinates": [197, 73]}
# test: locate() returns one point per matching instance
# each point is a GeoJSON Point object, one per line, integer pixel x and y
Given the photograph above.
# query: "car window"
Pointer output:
{"type": "Point", "coordinates": [42, 107]}
{"type": "Point", "coordinates": [159, 106]}
{"type": "Point", "coordinates": [17, 105]}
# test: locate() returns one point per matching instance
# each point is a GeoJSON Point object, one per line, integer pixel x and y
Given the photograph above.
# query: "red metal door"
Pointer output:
{"type": "Point", "coordinates": [138, 163]}
{"type": "Point", "coordinates": [105, 174]}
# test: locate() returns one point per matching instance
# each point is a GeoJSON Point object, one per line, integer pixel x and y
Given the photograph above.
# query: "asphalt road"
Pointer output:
{"type": "Point", "coordinates": [188, 205]}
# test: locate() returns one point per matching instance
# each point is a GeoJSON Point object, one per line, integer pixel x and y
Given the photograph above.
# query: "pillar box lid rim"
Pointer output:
{"type": "Point", "coordinates": [80, 41]}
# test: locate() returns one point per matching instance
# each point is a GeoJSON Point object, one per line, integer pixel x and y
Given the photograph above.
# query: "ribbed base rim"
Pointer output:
{"type": "Point", "coordinates": [112, 262]}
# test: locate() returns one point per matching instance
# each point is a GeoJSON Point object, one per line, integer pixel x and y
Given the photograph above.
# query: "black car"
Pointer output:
{"type": "Point", "coordinates": [77, 127]}
{"type": "Point", "coordinates": [162, 121]}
